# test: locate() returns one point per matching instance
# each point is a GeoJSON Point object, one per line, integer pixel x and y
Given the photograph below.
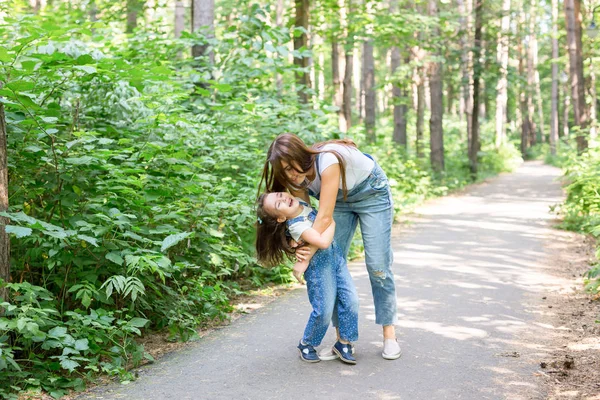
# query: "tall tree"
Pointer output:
{"type": "Point", "coordinates": [134, 7]}
{"type": "Point", "coordinates": [554, 108]}
{"type": "Point", "coordinates": [523, 89]}
{"type": "Point", "coordinates": [399, 102]}
{"type": "Point", "coordinates": [348, 66]}
{"type": "Point", "coordinates": [573, 20]}
{"type": "Point", "coordinates": [179, 18]}
{"type": "Point", "coordinates": [419, 87]}
{"type": "Point", "coordinates": [474, 143]}
{"type": "Point", "coordinates": [502, 86]}
{"type": "Point", "coordinates": [436, 91]}
{"type": "Point", "coordinates": [536, 73]}
{"type": "Point", "coordinates": [368, 72]}
{"type": "Point", "coordinates": [203, 16]}
{"type": "Point", "coordinates": [4, 239]}
{"type": "Point", "coordinates": [301, 42]}
{"type": "Point", "coordinates": [465, 8]}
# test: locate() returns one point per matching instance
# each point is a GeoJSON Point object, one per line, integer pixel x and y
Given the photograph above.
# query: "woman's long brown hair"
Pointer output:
{"type": "Point", "coordinates": [272, 245]}
{"type": "Point", "coordinates": [291, 149]}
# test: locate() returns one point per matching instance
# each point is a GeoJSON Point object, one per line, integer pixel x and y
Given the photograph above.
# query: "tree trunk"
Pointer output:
{"type": "Point", "coordinates": [203, 16]}
{"type": "Point", "coordinates": [420, 83]}
{"type": "Point", "coordinates": [347, 97]}
{"type": "Point", "coordinates": [369, 86]}
{"type": "Point", "coordinates": [134, 7]}
{"type": "Point", "coordinates": [502, 86]}
{"type": "Point", "coordinates": [523, 95]}
{"type": "Point", "coordinates": [179, 18]}
{"type": "Point", "coordinates": [474, 143]}
{"type": "Point", "coordinates": [593, 104]}
{"type": "Point", "coordinates": [436, 91]}
{"type": "Point", "coordinates": [399, 104]}
{"type": "Point", "coordinates": [4, 238]}
{"type": "Point", "coordinates": [301, 41]}
{"type": "Point", "coordinates": [536, 73]}
{"type": "Point", "coordinates": [554, 109]}
{"type": "Point", "coordinates": [466, 107]}
{"type": "Point", "coordinates": [573, 22]}
{"type": "Point", "coordinates": [566, 106]}
{"type": "Point", "coordinates": [279, 23]}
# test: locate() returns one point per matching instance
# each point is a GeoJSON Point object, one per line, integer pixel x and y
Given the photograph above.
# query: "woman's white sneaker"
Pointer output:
{"type": "Point", "coordinates": [391, 349]}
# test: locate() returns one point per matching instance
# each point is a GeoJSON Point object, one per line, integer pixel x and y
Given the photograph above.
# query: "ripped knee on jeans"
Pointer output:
{"type": "Point", "coordinates": [379, 275]}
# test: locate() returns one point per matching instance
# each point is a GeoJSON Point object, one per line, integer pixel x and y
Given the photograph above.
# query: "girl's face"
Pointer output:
{"type": "Point", "coordinates": [291, 171]}
{"type": "Point", "coordinates": [282, 206]}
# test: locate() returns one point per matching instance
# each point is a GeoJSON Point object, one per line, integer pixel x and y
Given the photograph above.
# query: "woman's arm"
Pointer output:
{"type": "Point", "coordinates": [320, 240]}
{"type": "Point", "coordinates": [330, 183]}
{"type": "Point", "coordinates": [303, 194]}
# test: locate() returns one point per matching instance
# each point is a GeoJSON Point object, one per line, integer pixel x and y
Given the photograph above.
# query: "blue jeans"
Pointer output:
{"type": "Point", "coordinates": [330, 287]}
{"type": "Point", "coordinates": [371, 204]}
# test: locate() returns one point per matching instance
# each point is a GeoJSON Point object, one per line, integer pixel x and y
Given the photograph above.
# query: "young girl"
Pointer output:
{"type": "Point", "coordinates": [327, 277]}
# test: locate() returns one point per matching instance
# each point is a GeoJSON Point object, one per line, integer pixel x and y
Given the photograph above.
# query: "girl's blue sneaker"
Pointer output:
{"type": "Point", "coordinates": [344, 352]}
{"type": "Point", "coordinates": [308, 353]}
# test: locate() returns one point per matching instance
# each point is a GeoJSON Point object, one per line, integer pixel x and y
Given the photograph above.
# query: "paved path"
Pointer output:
{"type": "Point", "coordinates": [469, 271]}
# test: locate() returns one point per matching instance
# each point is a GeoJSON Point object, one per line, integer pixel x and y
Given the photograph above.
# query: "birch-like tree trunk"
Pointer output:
{"type": "Point", "coordinates": [554, 107]}
{"type": "Point", "coordinates": [465, 8]}
{"type": "Point", "coordinates": [179, 18]}
{"type": "Point", "coordinates": [338, 66]}
{"type": "Point", "coordinates": [523, 90]}
{"type": "Point", "coordinates": [474, 143]}
{"type": "Point", "coordinates": [369, 87]}
{"type": "Point", "coordinates": [420, 85]}
{"type": "Point", "coordinates": [436, 130]}
{"type": "Point", "coordinates": [203, 16]}
{"type": "Point", "coordinates": [348, 72]}
{"type": "Point", "coordinates": [502, 86]}
{"type": "Point", "coordinates": [4, 238]}
{"type": "Point", "coordinates": [536, 73]}
{"type": "Point", "coordinates": [573, 22]}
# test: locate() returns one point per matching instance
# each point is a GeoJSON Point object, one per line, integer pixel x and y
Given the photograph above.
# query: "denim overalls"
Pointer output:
{"type": "Point", "coordinates": [370, 202]}
{"type": "Point", "coordinates": [330, 287]}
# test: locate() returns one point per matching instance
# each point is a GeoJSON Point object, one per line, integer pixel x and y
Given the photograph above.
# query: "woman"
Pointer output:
{"type": "Point", "coordinates": [351, 188]}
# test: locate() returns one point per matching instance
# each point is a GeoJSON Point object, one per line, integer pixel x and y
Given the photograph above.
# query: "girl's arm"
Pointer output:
{"type": "Point", "coordinates": [320, 240]}
{"type": "Point", "coordinates": [330, 182]}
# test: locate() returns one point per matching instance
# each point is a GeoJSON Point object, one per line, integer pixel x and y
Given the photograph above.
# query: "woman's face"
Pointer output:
{"type": "Point", "coordinates": [291, 172]}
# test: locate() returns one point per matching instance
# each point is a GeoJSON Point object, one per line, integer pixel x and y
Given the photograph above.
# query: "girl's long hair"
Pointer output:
{"type": "Point", "coordinates": [272, 245]}
{"type": "Point", "coordinates": [291, 149]}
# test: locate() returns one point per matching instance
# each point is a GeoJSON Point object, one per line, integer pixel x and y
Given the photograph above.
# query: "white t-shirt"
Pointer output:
{"type": "Point", "coordinates": [358, 166]}
{"type": "Point", "coordinates": [297, 228]}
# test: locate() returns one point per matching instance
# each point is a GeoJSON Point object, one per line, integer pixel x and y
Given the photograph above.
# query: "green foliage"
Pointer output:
{"type": "Point", "coordinates": [133, 172]}
{"type": "Point", "coordinates": [581, 209]}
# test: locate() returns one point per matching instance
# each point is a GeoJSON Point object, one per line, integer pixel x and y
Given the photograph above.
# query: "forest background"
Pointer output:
{"type": "Point", "coordinates": [133, 132]}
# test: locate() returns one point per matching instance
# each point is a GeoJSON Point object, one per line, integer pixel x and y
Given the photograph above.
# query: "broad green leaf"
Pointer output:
{"type": "Point", "coordinates": [90, 240]}
{"type": "Point", "coordinates": [69, 364]}
{"type": "Point", "coordinates": [18, 231]}
{"type": "Point", "coordinates": [138, 322]}
{"type": "Point", "coordinates": [172, 240]}
{"type": "Point", "coordinates": [58, 331]}
{"type": "Point", "coordinates": [115, 257]}
{"type": "Point", "coordinates": [88, 69]}
{"type": "Point", "coordinates": [216, 233]}
{"type": "Point", "coordinates": [82, 344]}
{"type": "Point", "coordinates": [4, 56]}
